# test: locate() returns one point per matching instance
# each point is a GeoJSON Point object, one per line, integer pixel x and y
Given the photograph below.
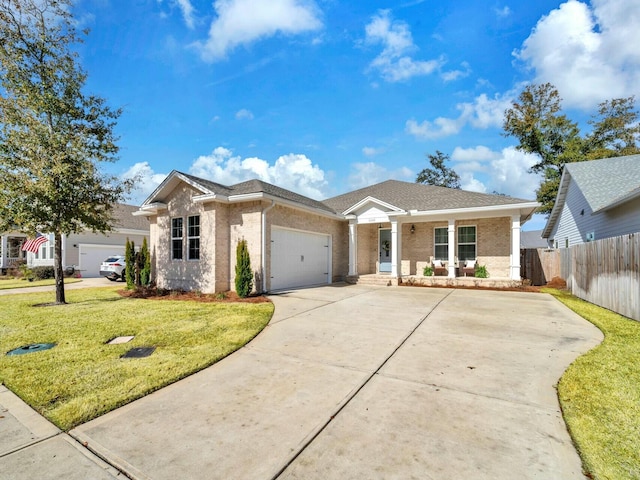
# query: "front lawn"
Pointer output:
{"type": "Point", "coordinates": [83, 377]}
{"type": "Point", "coordinates": [600, 395]}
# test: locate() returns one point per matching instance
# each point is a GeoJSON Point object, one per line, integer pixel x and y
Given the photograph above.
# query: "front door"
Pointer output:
{"type": "Point", "coordinates": [384, 250]}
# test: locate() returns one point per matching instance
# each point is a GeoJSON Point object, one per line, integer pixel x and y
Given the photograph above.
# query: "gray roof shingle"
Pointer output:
{"type": "Point", "coordinates": [416, 196]}
{"type": "Point", "coordinates": [258, 186]}
{"type": "Point", "coordinates": [606, 181]}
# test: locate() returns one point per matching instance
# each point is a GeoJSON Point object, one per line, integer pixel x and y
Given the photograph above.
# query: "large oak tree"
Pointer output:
{"type": "Point", "coordinates": [53, 136]}
{"type": "Point", "coordinates": [537, 121]}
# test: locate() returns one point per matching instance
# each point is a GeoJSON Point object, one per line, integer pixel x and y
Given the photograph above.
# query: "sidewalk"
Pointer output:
{"type": "Point", "coordinates": [31, 447]}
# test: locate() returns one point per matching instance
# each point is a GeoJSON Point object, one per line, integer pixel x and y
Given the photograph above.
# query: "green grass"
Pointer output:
{"type": "Point", "coordinates": [600, 395]}
{"type": "Point", "coordinates": [12, 282]}
{"type": "Point", "coordinates": [82, 377]}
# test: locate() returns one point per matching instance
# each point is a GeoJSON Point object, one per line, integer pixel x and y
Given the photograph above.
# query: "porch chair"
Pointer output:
{"type": "Point", "coordinates": [468, 267]}
{"type": "Point", "coordinates": [439, 267]}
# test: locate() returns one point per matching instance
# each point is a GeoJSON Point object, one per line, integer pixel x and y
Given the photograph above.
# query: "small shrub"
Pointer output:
{"type": "Point", "coordinates": [244, 275]}
{"type": "Point", "coordinates": [43, 272]}
{"type": "Point", "coordinates": [221, 296]}
{"type": "Point", "coordinates": [481, 272]}
{"type": "Point", "coordinates": [130, 260]}
{"type": "Point", "coordinates": [428, 271]}
{"type": "Point", "coordinates": [145, 269]}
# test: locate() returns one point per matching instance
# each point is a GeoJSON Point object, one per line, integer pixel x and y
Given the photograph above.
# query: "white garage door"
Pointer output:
{"type": "Point", "coordinates": [299, 259]}
{"type": "Point", "coordinates": [91, 256]}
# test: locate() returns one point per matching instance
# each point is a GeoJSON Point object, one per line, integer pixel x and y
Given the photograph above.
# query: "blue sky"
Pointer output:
{"type": "Point", "coordinates": [322, 97]}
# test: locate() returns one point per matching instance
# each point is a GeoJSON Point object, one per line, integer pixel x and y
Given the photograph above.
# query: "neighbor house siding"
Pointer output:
{"type": "Point", "coordinates": [572, 221]}
{"type": "Point", "coordinates": [577, 220]}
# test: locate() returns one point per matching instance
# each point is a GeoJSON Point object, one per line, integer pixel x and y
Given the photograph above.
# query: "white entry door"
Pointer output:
{"type": "Point", "coordinates": [299, 259]}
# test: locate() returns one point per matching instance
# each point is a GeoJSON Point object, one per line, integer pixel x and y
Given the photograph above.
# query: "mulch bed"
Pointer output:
{"type": "Point", "coordinates": [161, 294]}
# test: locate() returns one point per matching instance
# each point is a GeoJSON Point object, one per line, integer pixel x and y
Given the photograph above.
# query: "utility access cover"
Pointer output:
{"type": "Point", "coordinates": [139, 352]}
{"type": "Point", "coordinates": [34, 347]}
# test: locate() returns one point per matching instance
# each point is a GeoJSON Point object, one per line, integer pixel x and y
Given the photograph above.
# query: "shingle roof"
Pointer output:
{"type": "Point", "coordinates": [123, 216]}
{"type": "Point", "coordinates": [606, 181]}
{"type": "Point", "coordinates": [257, 186]}
{"type": "Point", "coordinates": [417, 196]}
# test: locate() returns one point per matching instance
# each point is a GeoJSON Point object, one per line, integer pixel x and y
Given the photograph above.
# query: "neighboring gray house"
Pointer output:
{"type": "Point", "coordinates": [85, 251]}
{"type": "Point", "coordinates": [596, 199]}
{"type": "Point", "coordinates": [392, 229]}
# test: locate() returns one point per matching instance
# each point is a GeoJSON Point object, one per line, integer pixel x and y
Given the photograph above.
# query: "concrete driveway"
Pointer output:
{"type": "Point", "coordinates": [367, 382]}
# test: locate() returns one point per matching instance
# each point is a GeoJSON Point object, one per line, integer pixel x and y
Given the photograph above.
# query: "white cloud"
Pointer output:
{"type": "Point", "coordinates": [372, 151]}
{"type": "Point", "coordinates": [369, 173]}
{"type": "Point", "coordinates": [242, 22]}
{"type": "Point", "coordinates": [502, 12]}
{"type": "Point", "coordinates": [244, 114]}
{"type": "Point", "coordinates": [483, 112]}
{"type": "Point", "coordinates": [148, 181]}
{"type": "Point", "coordinates": [452, 75]}
{"type": "Point", "coordinates": [394, 63]}
{"type": "Point", "coordinates": [590, 53]}
{"type": "Point", "coordinates": [294, 172]}
{"type": "Point", "coordinates": [484, 170]}
{"type": "Point", "coordinates": [187, 12]}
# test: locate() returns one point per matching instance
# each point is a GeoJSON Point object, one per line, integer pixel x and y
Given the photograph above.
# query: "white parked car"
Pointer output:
{"type": "Point", "coordinates": [113, 268]}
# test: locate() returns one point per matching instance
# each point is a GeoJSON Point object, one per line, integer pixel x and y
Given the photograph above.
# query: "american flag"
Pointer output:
{"type": "Point", "coordinates": [34, 244]}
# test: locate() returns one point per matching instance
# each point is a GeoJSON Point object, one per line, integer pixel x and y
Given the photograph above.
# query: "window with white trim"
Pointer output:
{"type": "Point", "coordinates": [467, 242]}
{"type": "Point", "coordinates": [176, 238]}
{"type": "Point", "coordinates": [441, 243]}
{"type": "Point", "coordinates": [193, 237]}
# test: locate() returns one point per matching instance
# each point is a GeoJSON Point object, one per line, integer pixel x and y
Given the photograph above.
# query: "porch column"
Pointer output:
{"type": "Point", "coordinates": [3, 251]}
{"type": "Point", "coordinates": [515, 247]}
{"type": "Point", "coordinates": [396, 238]}
{"type": "Point", "coordinates": [353, 246]}
{"type": "Point", "coordinates": [451, 230]}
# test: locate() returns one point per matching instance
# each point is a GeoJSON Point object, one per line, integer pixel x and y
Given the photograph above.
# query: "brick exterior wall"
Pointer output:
{"type": "Point", "coordinates": [493, 245]}
{"type": "Point", "coordinates": [282, 216]}
{"type": "Point", "coordinates": [223, 225]}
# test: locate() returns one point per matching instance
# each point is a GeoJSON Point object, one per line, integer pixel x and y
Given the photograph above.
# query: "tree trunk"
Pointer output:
{"type": "Point", "coordinates": [59, 272]}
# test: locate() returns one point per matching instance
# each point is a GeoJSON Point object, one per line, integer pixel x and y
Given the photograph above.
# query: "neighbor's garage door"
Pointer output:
{"type": "Point", "coordinates": [91, 256]}
{"type": "Point", "coordinates": [299, 259]}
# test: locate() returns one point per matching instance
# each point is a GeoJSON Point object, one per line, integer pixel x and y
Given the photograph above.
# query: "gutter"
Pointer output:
{"type": "Point", "coordinates": [264, 245]}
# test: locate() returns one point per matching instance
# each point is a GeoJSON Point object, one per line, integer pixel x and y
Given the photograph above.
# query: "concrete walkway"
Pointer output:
{"type": "Point", "coordinates": [361, 382]}
{"type": "Point", "coordinates": [83, 283]}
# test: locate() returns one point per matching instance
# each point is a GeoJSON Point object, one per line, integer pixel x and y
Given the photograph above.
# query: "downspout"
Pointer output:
{"type": "Point", "coordinates": [263, 255]}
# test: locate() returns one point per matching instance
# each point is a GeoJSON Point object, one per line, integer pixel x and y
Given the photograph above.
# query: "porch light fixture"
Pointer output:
{"type": "Point", "coordinates": [413, 229]}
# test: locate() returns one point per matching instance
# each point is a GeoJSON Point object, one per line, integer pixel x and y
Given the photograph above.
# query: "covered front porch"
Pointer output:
{"type": "Point", "coordinates": [435, 249]}
{"type": "Point", "coordinates": [11, 253]}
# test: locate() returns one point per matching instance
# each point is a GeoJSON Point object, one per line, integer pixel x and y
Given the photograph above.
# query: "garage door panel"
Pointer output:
{"type": "Point", "coordinates": [92, 256]}
{"type": "Point", "coordinates": [298, 258]}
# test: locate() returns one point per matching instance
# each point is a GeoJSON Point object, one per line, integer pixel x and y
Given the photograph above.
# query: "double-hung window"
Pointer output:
{"type": "Point", "coordinates": [467, 243]}
{"type": "Point", "coordinates": [193, 237]}
{"type": "Point", "coordinates": [441, 240]}
{"type": "Point", "coordinates": [176, 238]}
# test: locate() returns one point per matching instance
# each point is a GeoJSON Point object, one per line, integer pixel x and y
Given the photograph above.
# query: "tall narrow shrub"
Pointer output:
{"type": "Point", "coordinates": [130, 259]}
{"type": "Point", "coordinates": [244, 275]}
{"type": "Point", "coordinates": [145, 271]}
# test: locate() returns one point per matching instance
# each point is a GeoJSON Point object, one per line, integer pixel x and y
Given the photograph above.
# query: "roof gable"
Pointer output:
{"type": "Point", "coordinates": [419, 197]}
{"type": "Point", "coordinates": [605, 183]}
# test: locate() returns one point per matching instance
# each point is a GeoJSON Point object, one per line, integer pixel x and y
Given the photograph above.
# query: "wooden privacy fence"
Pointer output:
{"type": "Point", "coordinates": [539, 265]}
{"type": "Point", "coordinates": [605, 272]}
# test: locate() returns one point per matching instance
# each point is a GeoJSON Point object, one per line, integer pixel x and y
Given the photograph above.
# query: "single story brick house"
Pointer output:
{"type": "Point", "coordinates": [392, 228]}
